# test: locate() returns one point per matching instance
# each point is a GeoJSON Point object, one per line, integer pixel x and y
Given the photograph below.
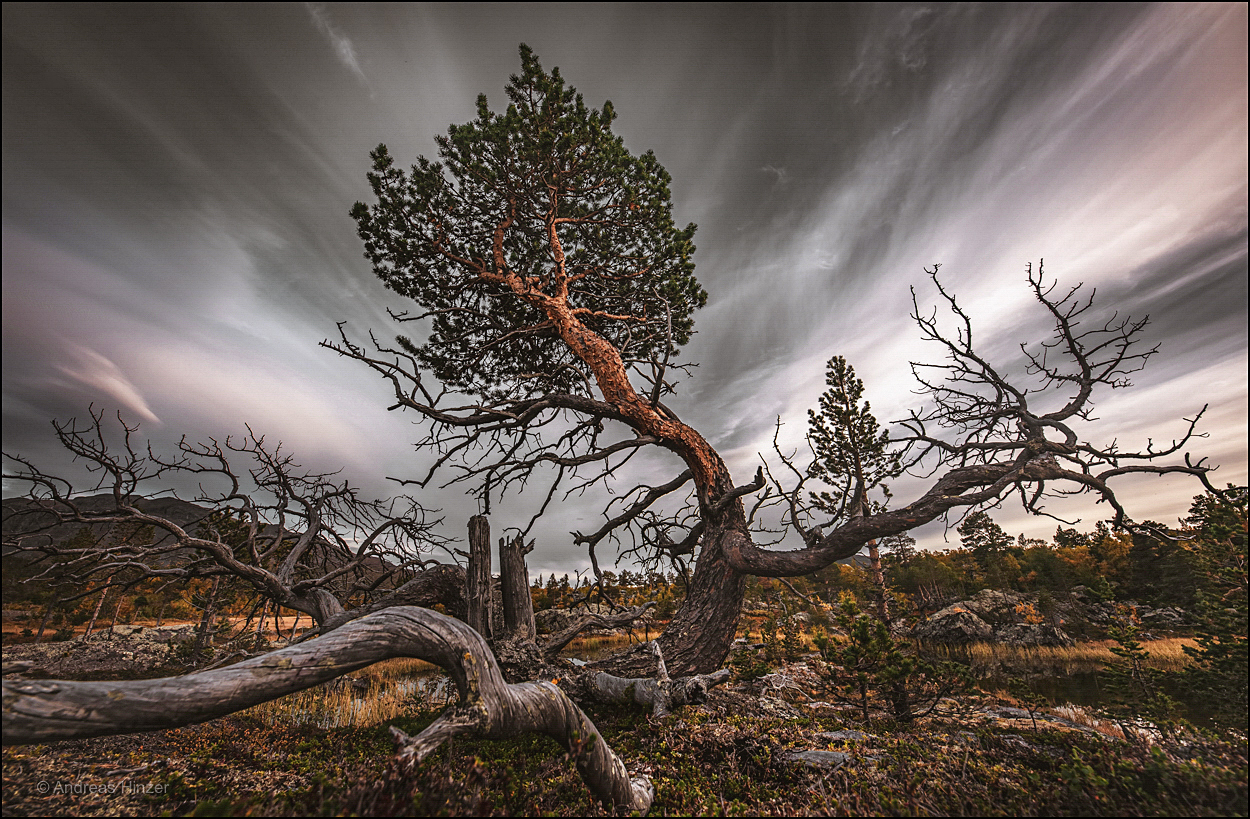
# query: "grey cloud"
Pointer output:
{"type": "Point", "coordinates": [177, 180]}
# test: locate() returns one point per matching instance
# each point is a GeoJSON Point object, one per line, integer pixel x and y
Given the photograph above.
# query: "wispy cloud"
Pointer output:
{"type": "Point", "coordinates": [783, 176]}
{"type": "Point", "coordinates": [100, 375]}
{"type": "Point", "coordinates": [340, 42]}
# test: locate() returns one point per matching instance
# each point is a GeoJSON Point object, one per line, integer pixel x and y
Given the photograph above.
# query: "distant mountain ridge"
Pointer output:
{"type": "Point", "coordinates": [23, 516]}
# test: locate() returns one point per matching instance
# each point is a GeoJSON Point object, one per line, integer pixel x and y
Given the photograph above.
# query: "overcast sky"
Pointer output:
{"type": "Point", "coordinates": [177, 180]}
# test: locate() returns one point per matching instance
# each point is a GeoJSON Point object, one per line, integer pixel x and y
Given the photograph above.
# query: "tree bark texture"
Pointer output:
{"type": "Point", "coordinates": [514, 577]}
{"type": "Point", "coordinates": [478, 589]}
{"type": "Point", "coordinates": [45, 710]}
{"type": "Point", "coordinates": [698, 638]}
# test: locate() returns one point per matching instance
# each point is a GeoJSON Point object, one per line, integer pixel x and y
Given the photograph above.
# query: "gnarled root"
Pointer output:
{"type": "Point", "coordinates": [662, 694]}
{"type": "Point", "coordinates": [39, 711]}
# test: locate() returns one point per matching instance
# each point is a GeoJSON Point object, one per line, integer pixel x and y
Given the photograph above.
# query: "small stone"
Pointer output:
{"type": "Point", "coordinates": [819, 759]}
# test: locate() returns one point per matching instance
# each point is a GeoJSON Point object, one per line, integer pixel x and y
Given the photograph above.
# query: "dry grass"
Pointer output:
{"type": "Point", "coordinates": [1166, 655]}
{"type": "Point", "coordinates": [386, 691]}
{"type": "Point", "coordinates": [594, 646]}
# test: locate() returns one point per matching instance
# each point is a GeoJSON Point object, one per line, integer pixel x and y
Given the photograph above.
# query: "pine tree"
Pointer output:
{"type": "Point", "coordinates": [853, 455]}
{"type": "Point", "coordinates": [1136, 688]}
{"type": "Point", "coordinates": [878, 673]}
{"type": "Point", "coordinates": [1220, 671]}
{"type": "Point", "coordinates": [988, 543]}
{"type": "Point", "coordinates": [554, 290]}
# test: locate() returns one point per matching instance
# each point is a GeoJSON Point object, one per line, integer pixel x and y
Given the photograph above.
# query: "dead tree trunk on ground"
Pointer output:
{"type": "Point", "coordinates": [46, 710]}
{"type": "Point", "coordinates": [661, 694]}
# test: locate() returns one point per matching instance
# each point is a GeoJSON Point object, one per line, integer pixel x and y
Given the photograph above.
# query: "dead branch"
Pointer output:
{"type": "Point", "coordinates": [562, 638]}
{"type": "Point", "coordinates": [303, 539]}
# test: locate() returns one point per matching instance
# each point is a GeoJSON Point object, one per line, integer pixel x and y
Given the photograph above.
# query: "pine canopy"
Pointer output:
{"type": "Point", "coordinates": [546, 195]}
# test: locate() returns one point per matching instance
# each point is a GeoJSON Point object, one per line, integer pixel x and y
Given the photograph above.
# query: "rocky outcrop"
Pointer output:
{"type": "Point", "coordinates": [129, 652]}
{"type": "Point", "coordinates": [954, 625]}
{"type": "Point", "coordinates": [1087, 609]}
{"type": "Point", "coordinates": [993, 615]}
{"type": "Point", "coordinates": [1016, 618]}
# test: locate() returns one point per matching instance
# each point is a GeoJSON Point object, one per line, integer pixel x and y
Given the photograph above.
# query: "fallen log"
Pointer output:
{"type": "Point", "coordinates": [661, 694]}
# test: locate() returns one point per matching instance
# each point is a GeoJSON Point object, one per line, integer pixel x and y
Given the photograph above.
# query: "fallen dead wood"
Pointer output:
{"type": "Point", "coordinates": [662, 694]}
{"type": "Point", "coordinates": [556, 642]}
{"type": "Point", "coordinates": [43, 710]}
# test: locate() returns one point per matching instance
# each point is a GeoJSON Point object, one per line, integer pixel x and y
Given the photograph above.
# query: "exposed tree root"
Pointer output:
{"type": "Point", "coordinates": [43, 710]}
{"type": "Point", "coordinates": [662, 694]}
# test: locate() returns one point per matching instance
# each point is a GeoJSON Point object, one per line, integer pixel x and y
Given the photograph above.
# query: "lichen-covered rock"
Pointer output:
{"type": "Point", "coordinates": [1032, 634]}
{"type": "Point", "coordinates": [132, 652]}
{"type": "Point", "coordinates": [997, 607]}
{"type": "Point", "coordinates": [1165, 618]}
{"type": "Point", "coordinates": [1024, 619]}
{"type": "Point", "coordinates": [954, 625]}
{"type": "Point", "coordinates": [549, 621]}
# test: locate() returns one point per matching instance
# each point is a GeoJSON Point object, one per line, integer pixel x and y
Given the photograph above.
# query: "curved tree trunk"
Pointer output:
{"type": "Point", "coordinates": [700, 634]}
{"type": "Point", "coordinates": [43, 710]}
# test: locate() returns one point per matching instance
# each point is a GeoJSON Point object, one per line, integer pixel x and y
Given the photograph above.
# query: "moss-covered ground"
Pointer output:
{"type": "Point", "coordinates": [728, 757]}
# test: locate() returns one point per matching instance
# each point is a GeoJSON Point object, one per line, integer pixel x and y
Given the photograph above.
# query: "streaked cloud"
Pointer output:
{"type": "Point", "coordinates": [342, 45]}
{"type": "Point", "coordinates": [177, 180]}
